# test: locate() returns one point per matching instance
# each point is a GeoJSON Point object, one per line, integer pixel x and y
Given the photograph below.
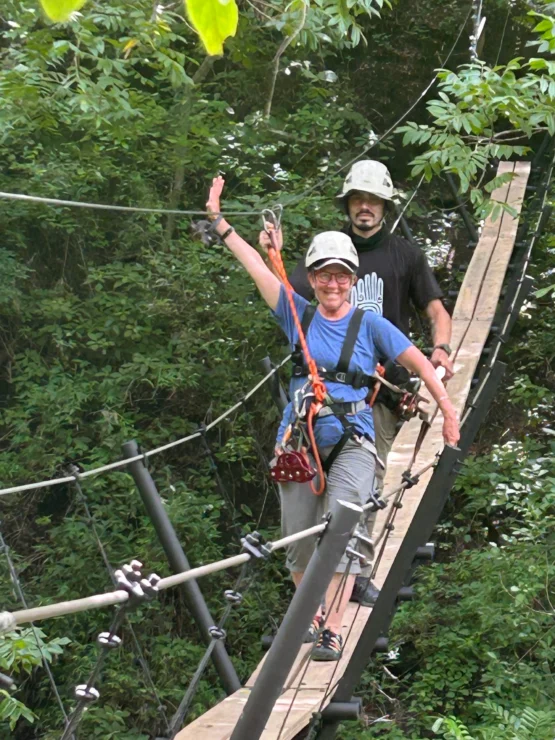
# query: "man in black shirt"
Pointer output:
{"type": "Point", "coordinates": [393, 275]}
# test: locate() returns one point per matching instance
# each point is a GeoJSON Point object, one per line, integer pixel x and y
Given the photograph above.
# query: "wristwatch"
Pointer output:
{"type": "Point", "coordinates": [445, 347]}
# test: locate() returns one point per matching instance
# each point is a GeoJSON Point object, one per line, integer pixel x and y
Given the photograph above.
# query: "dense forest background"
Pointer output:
{"type": "Point", "coordinates": [121, 326]}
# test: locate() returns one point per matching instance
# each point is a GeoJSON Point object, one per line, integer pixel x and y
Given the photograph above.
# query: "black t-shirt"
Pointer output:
{"type": "Point", "coordinates": [392, 273]}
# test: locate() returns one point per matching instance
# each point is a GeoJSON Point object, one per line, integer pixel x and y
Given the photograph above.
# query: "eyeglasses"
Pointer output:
{"type": "Point", "coordinates": [341, 278]}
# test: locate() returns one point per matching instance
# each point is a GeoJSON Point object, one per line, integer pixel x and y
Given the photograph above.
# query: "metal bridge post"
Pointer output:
{"type": "Point", "coordinates": [179, 563]}
{"type": "Point", "coordinates": [420, 529]}
{"type": "Point", "coordinates": [303, 607]}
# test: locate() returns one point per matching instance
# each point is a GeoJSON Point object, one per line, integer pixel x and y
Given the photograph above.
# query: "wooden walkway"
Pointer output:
{"type": "Point", "coordinates": [472, 319]}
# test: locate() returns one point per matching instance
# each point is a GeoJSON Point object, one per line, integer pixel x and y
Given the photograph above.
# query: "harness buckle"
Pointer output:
{"type": "Point", "coordinates": [340, 377]}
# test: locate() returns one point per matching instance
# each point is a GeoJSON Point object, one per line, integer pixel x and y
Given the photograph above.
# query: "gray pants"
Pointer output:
{"type": "Point", "coordinates": [351, 479]}
{"type": "Point", "coordinates": [385, 428]}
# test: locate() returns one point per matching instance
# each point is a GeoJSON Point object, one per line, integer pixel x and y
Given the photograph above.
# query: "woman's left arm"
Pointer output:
{"type": "Point", "coordinates": [413, 359]}
{"type": "Point", "coordinates": [265, 280]}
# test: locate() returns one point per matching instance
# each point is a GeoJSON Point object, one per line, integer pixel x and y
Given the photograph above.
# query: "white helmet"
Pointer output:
{"type": "Point", "coordinates": [332, 248]}
{"type": "Point", "coordinates": [369, 176]}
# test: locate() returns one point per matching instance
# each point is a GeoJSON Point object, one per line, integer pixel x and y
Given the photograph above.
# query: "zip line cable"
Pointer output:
{"type": "Point", "coordinates": [392, 128]}
{"type": "Point", "coordinates": [145, 455]}
{"type": "Point", "coordinates": [407, 204]}
{"type": "Point", "coordinates": [296, 199]}
{"type": "Point", "coordinates": [108, 207]}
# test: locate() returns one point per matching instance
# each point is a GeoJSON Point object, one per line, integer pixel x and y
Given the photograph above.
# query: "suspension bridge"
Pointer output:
{"type": "Point", "coordinates": [314, 697]}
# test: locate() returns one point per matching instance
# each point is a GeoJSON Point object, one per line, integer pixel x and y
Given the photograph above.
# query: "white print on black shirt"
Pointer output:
{"type": "Point", "coordinates": [367, 293]}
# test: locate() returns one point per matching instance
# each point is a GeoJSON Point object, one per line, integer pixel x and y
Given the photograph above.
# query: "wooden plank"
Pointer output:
{"type": "Point", "coordinates": [219, 726]}
{"type": "Point", "coordinates": [488, 299]}
{"type": "Point", "coordinates": [471, 324]}
{"type": "Point", "coordinates": [474, 277]}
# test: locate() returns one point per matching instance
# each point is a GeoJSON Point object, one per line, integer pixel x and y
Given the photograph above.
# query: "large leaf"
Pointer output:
{"type": "Point", "coordinates": [61, 10]}
{"type": "Point", "coordinates": [214, 21]}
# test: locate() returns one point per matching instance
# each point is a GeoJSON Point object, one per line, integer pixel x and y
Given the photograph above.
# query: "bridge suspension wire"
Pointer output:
{"type": "Point", "coordinates": [21, 596]}
{"type": "Point", "coordinates": [110, 569]}
{"type": "Point", "coordinates": [111, 207]}
{"type": "Point", "coordinates": [150, 453]}
{"type": "Point", "coordinates": [8, 620]}
{"type": "Point", "coordinates": [393, 126]}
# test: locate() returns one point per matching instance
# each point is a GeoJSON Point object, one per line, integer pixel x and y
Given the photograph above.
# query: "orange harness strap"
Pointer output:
{"type": "Point", "coordinates": [318, 385]}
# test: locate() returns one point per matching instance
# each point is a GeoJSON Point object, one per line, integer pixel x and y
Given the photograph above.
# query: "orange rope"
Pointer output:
{"type": "Point", "coordinates": [318, 385]}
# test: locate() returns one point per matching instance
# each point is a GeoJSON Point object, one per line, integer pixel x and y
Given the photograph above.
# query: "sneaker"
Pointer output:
{"type": "Point", "coordinates": [364, 591]}
{"type": "Point", "coordinates": [328, 647]}
{"type": "Point", "coordinates": [314, 629]}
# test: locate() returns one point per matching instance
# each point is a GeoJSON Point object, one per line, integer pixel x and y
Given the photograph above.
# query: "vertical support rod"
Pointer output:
{"type": "Point", "coordinates": [277, 391]}
{"type": "Point", "coordinates": [179, 563]}
{"type": "Point", "coordinates": [471, 228]}
{"type": "Point", "coordinates": [303, 607]}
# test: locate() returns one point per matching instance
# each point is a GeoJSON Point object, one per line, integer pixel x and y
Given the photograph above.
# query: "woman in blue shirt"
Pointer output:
{"type": "Point", "coordinates": [332, 261]}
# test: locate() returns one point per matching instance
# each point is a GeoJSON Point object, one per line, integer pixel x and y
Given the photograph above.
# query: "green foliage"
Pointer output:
{"type": "Point", "coordinates": [214, 21]}
{"type": "Point", "coordinates": [485, 112]}
{"type": "Point", "coordinates": [12, 710]}
{"type": "Point", "coordinates": [502, 725]}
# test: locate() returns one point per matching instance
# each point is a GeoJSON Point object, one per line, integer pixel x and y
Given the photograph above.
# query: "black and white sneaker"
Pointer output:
{"type": "Point", "coordinates": [365, 592]}
{"type": "Point", "coordinates": [328, 647]}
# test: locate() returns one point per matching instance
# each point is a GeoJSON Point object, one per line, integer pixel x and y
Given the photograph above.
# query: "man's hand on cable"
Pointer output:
{"type": "Point", "coordinates": [440, 358]}
{"type": "Point", "coordinates": [265, 241]}
{"type": "Point", "coordinates": [213, 202]}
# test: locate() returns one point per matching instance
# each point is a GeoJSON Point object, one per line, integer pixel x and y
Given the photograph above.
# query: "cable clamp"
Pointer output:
{"type": "Point", "coordinates": [217, 633]}
{"type": "Point", "coordinates": [409, 480]}
{"type": "Point", "coordinates": [233, 597]}
{"type": "Point", "coordinates": [86, 693]}
{"type": "Point", "coordinates": [254, 545]}
{"type": "Point", "coordinates": [129, 578]}
{"type": "Point", "coordinates": [377, 502]}
{"type": "Point", "coordinates": [108, 640]}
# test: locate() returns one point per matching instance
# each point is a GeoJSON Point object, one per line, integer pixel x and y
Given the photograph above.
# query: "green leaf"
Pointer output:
{"type": "Point", "coordinates": [214, 21]}
{"type": "Point", "coordinates": [61, 10]}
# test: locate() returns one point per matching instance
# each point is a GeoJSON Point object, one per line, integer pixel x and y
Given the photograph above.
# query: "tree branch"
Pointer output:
{"type": "Point", "coordinates": [179, 173]}
{"type": "Point", "coordinates": [283, 46]}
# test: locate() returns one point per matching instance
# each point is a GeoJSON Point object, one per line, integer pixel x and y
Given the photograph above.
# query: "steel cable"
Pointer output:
{"type": "Point", "coordinates": [21, 595]}
{"type": "Point", "coordinates": [136, 645]}
{"type": "Point", "coordinates": [145, 455]}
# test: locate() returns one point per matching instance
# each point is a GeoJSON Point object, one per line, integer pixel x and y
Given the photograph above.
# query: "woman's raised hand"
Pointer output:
{"type": "Point", "coordinates": [213, 202]}
{"type": "Point", "coordinates": [265, 241]}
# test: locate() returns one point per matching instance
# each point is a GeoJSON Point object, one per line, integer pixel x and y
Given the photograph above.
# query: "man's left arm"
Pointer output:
{"type": "Point", "coordinates": [441, 336]}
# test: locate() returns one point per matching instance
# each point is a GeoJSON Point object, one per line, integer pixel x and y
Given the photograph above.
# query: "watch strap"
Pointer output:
{"type": "Point", "coordinates": [445, 347]}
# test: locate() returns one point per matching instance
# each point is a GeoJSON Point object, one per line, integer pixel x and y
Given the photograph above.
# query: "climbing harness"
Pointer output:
{"type": "Point", "coordinates": [319, 391]}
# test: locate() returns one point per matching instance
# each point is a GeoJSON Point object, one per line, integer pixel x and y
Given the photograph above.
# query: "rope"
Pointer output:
{"type": "Point", "coordinates": [98, 601]}
{"type": "Point", "coordinates": [109, 207]}
{"type": "Point", "coordinates": [19, 590]}
{"type": "Point", "coordinates": [318, 385]}
{"type": "Point", "coordinates": [150, 453]}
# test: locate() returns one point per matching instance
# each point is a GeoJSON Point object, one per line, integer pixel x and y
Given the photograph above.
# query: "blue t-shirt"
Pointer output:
{"type": "Point", "coordinates": [377, 337]}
